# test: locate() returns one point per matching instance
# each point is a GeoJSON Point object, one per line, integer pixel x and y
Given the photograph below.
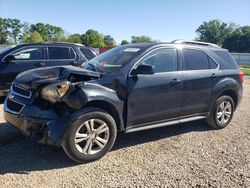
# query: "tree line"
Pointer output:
{"type": "Point", "coordinates": [14, 31]}
{"type": "Point", "coordinates": [231, 36]}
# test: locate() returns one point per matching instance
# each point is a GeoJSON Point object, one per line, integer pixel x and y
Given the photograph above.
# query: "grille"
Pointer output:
{"type": "Point", "coordinates": [21, 92]}
{"type": "Point", "coordinates": [14, 106]}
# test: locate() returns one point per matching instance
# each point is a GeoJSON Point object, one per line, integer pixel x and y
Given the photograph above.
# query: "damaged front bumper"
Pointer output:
{"type": "Point", "coordinates": [44, 126]}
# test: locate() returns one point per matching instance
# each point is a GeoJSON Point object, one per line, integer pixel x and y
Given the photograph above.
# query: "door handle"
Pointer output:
{"type": "Point", "coordinates": [39, 64]}
{"type": "Point", "coordinates": [175, 81]}
{"type": "Point", "coordinates": [73, 63]}
{"type": "Point", "coordinates": [213, 75]}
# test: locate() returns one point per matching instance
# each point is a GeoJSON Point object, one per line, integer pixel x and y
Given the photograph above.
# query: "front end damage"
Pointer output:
{"type": "Point", "coordinates": [42, 103]}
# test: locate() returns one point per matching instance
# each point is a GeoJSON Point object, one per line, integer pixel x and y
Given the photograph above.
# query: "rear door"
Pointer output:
{"type": "Point", "coordinates": [23, 59]}
{"type": "Point", "coordinates": [199, 72]}
{"type": "Point", "coordinates": [60, 55]}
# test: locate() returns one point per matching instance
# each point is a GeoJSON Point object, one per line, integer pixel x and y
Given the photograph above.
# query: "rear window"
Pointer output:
{"type": "Point", "coordinates": [87, 53]}
{"type": "Point", "coordinates": [61, 53]}
{"type": "Point", "coordinates": [227, 58]}
{"type": "Point", "coordinates": [195, 60]}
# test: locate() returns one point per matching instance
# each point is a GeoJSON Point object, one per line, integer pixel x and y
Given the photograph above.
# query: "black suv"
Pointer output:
{"type": "Point", "coordinates": [22, 57]}
{"type": "Point", "coordinates": [129, 88]}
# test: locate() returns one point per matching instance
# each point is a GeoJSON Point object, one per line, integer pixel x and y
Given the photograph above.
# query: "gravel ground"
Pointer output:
{"type": "Point", "coordinates": [186, 155]}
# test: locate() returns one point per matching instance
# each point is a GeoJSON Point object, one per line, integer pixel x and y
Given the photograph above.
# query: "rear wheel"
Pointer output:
{"type": "Point", "coordinates": [90, 137]}
{"type": "Point", "coordinates": [222, 112]}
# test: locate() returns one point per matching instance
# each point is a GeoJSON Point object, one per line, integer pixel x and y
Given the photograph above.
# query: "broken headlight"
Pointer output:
{"type": "Point", "coordinates": [55, 92]}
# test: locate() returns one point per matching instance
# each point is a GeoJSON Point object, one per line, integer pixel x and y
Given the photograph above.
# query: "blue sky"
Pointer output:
{"type": "Point", "coordinates": [164, 20]}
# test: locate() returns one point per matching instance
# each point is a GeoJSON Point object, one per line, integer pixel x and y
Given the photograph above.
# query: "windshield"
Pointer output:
{"type": "Point", "coordinates": [113, 59]}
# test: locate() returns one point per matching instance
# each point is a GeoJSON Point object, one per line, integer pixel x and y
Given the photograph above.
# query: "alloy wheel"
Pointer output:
{"type": "Point", "coordinates": [92, 136]}
{"type": "Point", "coordinates": [224, 112]}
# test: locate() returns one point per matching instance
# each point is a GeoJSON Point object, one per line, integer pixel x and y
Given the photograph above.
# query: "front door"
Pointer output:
{"type": "Point", "coordinates": [23, 59]}
{"type": "Point", "coordinates": [156, 97]}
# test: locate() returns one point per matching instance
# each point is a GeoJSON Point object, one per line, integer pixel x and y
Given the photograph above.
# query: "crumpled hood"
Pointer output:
{"type": "Point", "coordinates": [32, 79]}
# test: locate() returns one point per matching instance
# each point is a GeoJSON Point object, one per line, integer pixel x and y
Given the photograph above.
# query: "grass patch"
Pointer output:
{"type": "Point", "coordinates": [246, 71]}
{"type": "Point", "coordinates": [245, 66]}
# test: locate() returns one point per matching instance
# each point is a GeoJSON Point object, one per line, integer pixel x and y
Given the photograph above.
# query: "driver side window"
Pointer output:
{"type": "Point", "coordinates": [163, 60]}
{"type": "Point", "coordinates": [33, 53]}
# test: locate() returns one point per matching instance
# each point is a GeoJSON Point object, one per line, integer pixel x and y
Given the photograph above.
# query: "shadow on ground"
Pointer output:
{"type": "Point", "coordinates": [20, 155]}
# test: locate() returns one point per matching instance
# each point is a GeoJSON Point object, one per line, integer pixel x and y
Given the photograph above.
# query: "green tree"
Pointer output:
{"type": "Point", "coordinates": [244, 39]}
{"type": "Point", "coordinates": [41, 29]}
{"type": "Point", "coordinates": [76, 38]}
{"type": "Point", "coordinates": [93, 38]}
{"type": "Point", "coordinates": [55, 33]}
{"type": "Point", "coordinates": [26, 32]}
{"type": "Point", "coordinates": [141, 39]}
{"type": "Point", "coordinates": [239, 40]}
{"type": "Point", "coordinates": [2, 35]}
{"type": "Point", "coordinates": [124, 42]}
{"type": "Point", "coordinates": [4, 30]}
{"type": "Point", "coordinates": [230, 36]}
{"type": "Point", "coordinates": [109, 41]}
{"type": "Point", "coordinates": [48, 32]}
{"type": "Point", "coordinates": [214, 31]}
{"type": "Point", "coordinates": [35, 37]}
{"type": "Point", "coordinates": [16, 27]}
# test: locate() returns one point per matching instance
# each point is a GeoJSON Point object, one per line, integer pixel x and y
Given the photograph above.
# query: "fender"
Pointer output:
{"type": "Point", "coordinates": [223, 85]}
{"type": "Point", "coordinates": [96, 92]}
{"type": "Point", "coordinates": [86, 93]}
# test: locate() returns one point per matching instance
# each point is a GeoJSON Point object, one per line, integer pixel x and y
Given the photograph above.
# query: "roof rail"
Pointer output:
{"type": "Point", "coordinates": [57, 42]}
{"type": "Point", "coordinates": [191, 42]}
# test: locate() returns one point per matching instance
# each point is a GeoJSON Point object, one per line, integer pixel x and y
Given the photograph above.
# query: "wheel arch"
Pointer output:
{"type": "Point", "coordinates": [109, 108]}
{"type": "Point", "coordinates": [231, 93]}
{"type": "Point", "coordinates": [227, 86]}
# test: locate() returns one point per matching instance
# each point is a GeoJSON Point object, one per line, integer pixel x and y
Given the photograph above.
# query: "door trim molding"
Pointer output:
{"type": "Point", "coordinates": [163, 124]}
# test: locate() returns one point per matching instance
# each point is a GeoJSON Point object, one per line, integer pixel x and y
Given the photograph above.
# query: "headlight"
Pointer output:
{"type": "Point", "coordinates": [55, 92]}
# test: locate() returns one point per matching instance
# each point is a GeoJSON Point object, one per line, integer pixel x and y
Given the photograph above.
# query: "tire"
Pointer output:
{"type": "Point", "coordinates": [222, 112]}
{"type": "Point", "coordinates": [83, 142]}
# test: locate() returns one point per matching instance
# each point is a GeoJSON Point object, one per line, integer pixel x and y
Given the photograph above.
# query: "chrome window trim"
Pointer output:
{"type": "Point", "coordinates": [11, 111]}
{"type": "Point", "coordinates": [218, 65]}
{"type": "Point", "coordinates": [18, 94]}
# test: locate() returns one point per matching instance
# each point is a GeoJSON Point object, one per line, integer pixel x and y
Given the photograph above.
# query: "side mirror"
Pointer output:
{"type": "Point", "coordinates": [9, 58]}
{"type": "Point", "coordinates": [143, 69]}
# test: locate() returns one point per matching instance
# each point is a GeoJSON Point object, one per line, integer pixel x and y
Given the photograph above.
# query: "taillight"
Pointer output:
{"type": "Point", "coordinates": [241, 76]}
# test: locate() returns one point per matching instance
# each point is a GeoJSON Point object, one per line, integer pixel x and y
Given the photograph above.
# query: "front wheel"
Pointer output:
{"type": "Point", "coordinates": [222, 112]}
{"type": "Point", "coordinates": [90, 137]}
